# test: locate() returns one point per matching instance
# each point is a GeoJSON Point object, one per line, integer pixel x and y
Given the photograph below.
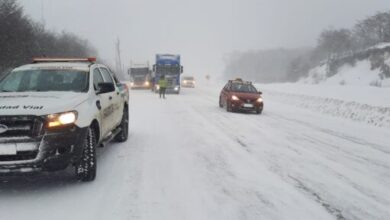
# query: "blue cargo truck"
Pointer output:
{"type": "Point", "coordinates": [169, 66]}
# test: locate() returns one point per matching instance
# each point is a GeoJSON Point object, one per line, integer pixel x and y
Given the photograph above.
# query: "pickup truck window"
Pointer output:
{"type": "Point", "coordinates": [45, 80]}
{"type": "Point", "coordinates": [106, 75]}
{"type": "Point", "coordinates": [97, 78]}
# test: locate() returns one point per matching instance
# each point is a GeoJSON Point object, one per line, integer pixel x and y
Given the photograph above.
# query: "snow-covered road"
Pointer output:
{"type": "Point", "coordinates": [188, 159]}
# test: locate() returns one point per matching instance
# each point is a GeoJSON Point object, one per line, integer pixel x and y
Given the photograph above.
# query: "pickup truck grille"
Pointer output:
{"type": "Point", "coordinates": [23, 155]}
{"type": "Point", "coordinates": [20, 126]}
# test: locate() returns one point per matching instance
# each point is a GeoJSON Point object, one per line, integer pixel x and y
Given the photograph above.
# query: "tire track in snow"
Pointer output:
{"type": "Point", "coordinates": [225, 121]}
{"type": "Point", "coordinates": [332, 210]}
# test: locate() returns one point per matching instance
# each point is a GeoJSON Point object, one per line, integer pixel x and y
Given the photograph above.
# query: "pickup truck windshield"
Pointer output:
{"type": "Point", "coordinates": [45, 80]}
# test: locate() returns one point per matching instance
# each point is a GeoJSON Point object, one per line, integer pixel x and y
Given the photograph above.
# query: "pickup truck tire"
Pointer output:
{"type": "Point", "coordinates": [86, 168]}
{"type": "Point", "coordinates": [123, 135]}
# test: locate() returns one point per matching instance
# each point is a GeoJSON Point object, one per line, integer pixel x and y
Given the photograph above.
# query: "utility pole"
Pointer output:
{"type": "Point", "coordinates": [118, 59]}
{"type": "Point", "coordinates": [43, 21]}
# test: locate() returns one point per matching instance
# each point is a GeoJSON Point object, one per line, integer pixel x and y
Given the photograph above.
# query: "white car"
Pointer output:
{"type": "Point", "coordinates": [55, 112]}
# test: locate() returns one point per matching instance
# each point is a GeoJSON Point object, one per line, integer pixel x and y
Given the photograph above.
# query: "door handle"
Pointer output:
{"type": "Point", "coordinates": [110, 98]}
{"type": "Point", "coordinates": [98, 105]}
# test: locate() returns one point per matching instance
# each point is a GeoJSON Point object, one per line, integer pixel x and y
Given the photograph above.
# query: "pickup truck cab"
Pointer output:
{"type": "Point", "coordinates": [56, 112]}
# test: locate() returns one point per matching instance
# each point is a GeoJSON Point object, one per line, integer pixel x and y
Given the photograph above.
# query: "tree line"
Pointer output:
{"type": "Point", "coordinates": [332, 44]}
{"type": "Point", "coordinates": [21, 38]}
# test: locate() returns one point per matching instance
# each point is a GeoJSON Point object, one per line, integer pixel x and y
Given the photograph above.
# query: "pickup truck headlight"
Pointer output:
{"type": "Point", "coordinates": [65, 118]}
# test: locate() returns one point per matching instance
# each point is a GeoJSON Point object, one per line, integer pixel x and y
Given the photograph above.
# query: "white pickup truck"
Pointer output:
{"type": "Point", "coordinates": [56, 112]}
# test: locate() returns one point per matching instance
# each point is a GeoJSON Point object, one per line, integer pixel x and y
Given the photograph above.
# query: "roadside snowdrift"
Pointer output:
{"type": "Point", "coordinates": [370, 67]}
{"type": "Point", "coordinates": [358, 75]}
{"type": "Point", "coordinates": [362, 104]}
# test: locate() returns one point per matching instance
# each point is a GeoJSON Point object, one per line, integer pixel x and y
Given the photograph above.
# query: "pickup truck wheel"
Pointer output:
{"type": "Point", "coordinates": [86, 169]}
{"type": "Point", "coordinates": [124, 133]}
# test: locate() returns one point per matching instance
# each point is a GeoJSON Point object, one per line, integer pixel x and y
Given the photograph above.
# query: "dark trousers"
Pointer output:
{"type": "Point", "coordinates": [162, 92]}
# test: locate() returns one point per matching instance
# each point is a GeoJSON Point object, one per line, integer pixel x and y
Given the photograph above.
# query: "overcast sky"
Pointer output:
{"type": "Point", "coordinates": [202, 31]}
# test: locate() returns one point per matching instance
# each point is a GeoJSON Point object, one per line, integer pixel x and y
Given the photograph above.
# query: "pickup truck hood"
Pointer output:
{"type": "Point", "coordinates": [39, 103]}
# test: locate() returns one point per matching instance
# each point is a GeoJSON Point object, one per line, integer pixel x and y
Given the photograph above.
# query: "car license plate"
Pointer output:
{"type": "Point", "coordinates": [247, 105]}
{"type": "Point", "coordinates": [8, 149]}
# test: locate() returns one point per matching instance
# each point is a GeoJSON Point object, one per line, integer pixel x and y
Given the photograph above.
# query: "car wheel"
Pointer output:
{"type": "Point", "coordinates": [220, 102]}
{"type": "Point", "coordinates": [228, 107]}
{"type": "Point", "coordinates": [85, 169]}
{"type": "Point", "coordinates": [123, 135]}
{"type": "Point", "coordinates": [259, 111]}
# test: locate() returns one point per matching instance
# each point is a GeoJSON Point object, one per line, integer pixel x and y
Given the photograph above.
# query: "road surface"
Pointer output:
{"type": "Point", "coordinates": [188, 159]}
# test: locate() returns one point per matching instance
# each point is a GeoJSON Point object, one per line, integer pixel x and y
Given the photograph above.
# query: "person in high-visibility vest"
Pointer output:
{"type": "Point", "coordinates": [163, 84]}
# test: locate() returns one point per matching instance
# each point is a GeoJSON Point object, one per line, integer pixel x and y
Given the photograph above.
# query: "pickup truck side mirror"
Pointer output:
{"type": "Point", "coordinates": [105, 88]}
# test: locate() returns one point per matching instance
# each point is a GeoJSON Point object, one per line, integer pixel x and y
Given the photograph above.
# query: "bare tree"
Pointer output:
{"type": "Point", "coordinates": [21, 39]}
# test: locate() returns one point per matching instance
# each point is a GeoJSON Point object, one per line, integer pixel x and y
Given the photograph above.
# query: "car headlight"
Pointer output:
{"type": "Point", "coordinates": [157, 87]}
{"type": "Point", "coordinates": [65, 118]}
{"type": "Point", "coordinates": [146, 83]}
{"type": "Point", "coordinates": [260, 99]}
{"type": "Point", "coordinates": [235, 98]}
{"type": "Point", "coordinates": [185, 81]}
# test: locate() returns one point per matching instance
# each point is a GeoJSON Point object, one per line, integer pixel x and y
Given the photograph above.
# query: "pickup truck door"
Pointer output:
{"type": "Point", "coordinates": [120, 99]}
{"type": "Point", "coordinates": [115, 100]}
{"type": "Point", "coordinates": [104, 102]}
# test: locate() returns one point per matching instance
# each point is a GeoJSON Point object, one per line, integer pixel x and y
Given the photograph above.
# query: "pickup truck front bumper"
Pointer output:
{"type": "Point", "coordinates": [54, 150]}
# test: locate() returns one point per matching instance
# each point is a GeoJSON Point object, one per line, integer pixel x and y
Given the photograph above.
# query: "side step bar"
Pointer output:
{"type": "Point", "coordinates": [110, 137]}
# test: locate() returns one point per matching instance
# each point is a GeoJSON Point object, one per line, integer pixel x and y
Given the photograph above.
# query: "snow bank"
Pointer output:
{"type": "Point", "coordinates": [369, 67]}
{"type": "Point", "coordinates": [363, 104]}
{"type": "Point", "coordinates": [316, 75]}
{"type": "Point", "coordinates": [359, 75]}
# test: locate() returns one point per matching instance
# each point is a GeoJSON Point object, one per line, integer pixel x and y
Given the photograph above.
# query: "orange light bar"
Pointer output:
{"type": "Point", "coordinates": [45, 59]}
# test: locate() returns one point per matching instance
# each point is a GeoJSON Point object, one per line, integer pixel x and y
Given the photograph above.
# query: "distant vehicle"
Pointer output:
{"type": "Point", "coordinates": [140, 76]}
{"type": "Point", "coordinates": [238, 95]}
{"type": "Point", "coordinates": [169, 66]}
{"type": "Point", "coordinates": [56, 112]}
{"type": "Point", "coordinates": [188, 82]}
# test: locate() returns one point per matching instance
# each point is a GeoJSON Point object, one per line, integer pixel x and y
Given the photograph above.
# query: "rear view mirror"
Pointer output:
{"type": "Point", "coordinates": [105, 88]}
{"type": "Point", "coordinates": [181, 69]}
{"type": "Point", "coordinates": [260, 93]}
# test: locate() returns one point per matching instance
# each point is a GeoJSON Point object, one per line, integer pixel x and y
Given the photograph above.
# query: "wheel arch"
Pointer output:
{"type": "Point", "coordinates": [96, 127]}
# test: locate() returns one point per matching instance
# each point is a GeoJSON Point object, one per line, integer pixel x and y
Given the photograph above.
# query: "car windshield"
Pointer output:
{"type": "Point", "coordinates": [246, 88]}
{"type": "Point", "coordinates": [43, 80]}
{"type": "Point", "coordinates": [188, 78]}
